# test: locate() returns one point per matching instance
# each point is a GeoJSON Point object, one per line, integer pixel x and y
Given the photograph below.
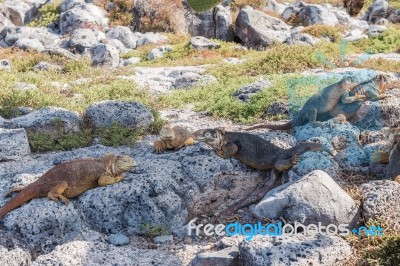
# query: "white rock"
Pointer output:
{"type": "Point", "coordinates": [14, 144]}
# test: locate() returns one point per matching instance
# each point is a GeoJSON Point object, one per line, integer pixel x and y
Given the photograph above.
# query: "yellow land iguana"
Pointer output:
{"type": "Point", "coordinates": [173, 138]}
{"type": "Point", "coordinates": [253, 150]}
{"type": "Point", "coordinates": [392, 157]}
{"type": "Point", "coordinates": [70, 179]}
{"type": "Point", "coordinates": [319, 104]}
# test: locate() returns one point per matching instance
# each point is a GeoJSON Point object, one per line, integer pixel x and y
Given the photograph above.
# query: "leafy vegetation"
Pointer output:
{"type": "Point", "coordinates": [152, 230]}
{"type": "Point", "coordinates": [120, 12]}
{"type": "Point", "coordinates": [48, 13]}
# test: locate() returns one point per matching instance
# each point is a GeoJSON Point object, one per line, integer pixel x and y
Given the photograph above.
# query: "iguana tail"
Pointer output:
{"type": "Point", "coordinates": [306, 146]}
{"type": "Point", "coordinates": [25, 195]}
{"type": "Point", "coordinates": [286, 126]}
{"type": "Point", "coordinates": [379, 157]}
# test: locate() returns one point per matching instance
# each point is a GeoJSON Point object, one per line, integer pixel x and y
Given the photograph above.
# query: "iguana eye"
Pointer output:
{"type": "Point", "coordinates": [208, 134]}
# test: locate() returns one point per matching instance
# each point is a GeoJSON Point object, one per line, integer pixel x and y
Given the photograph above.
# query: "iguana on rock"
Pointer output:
{"type": "Point", "coordinates": [70, 179]}
{"type": "Point", "coordinates": [319, 104]}
{"type": "Point", "coordinates": [392, 157]}
{"type": "Point", "coordinates": [173, 138]}
{"type": "Point", "coordinates": [254, 151]}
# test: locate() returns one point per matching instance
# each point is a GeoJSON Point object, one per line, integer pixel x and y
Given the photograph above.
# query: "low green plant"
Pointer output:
{"type": "Point", "coordinates": [152, 230]}
{"type": "Point", "coordinates": [203, 5]}
{"type": "Point", "coordinates": [323, 31]}
{"type": "Point", "coordinates": [49, 13]}
{"type": "Point", "coordinates": [387, 42]}
{"type": "Point", "coordinates": [116, 135]}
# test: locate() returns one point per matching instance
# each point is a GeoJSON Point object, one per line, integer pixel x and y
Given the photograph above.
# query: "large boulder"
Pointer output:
{"type": "Point", "coordinates": [21, 12]}
{"type": "Point", "coordinates": [83, 39]}
{"type": "Point", "coordinates": [125, 35]}
{"type": "Point", "coordinates": [105, 55]}
{"type": "Point", "coordinates": [29, 44]}
{"type": "Point", "coordinates": [14, 257]}
{"type": "Point", "coordinates": [390, 108]}
{"type": "Point", "coordinates": [159, 52]}
{"type": "Point", "coordinates": [381, 201]}
{"type": "Point", "coordinates": [257, 29]}
{"type": "Point", "coordinates": [47, 119]}
{"type": "Point", "coordinates": [14, 144]}
{"type": "Point", "coordinates": [223, 23]}
{"type": "Point", "coordinates": [303, 14]}
{"type": "Point", "coordinates": [202, 43]}
{"type": "Point", "coordinates": [296, 250]}
{"type": "Point", "coordinates": [12, 34]}
{"type": "Point", "coordinates": [246, 92]}
{"type": "Point", "coordinates": [150, 38]}
{"type": "Point", "coordinates": [380, 10]}
{"type": "Point", "coordinates": [5, 22]}
{"type": "Point", "coordinates": [82, 15]}
{"type": "Point", "coordinates": [314, 198]}
{"type": "Point", "coordinates": [124, 114]}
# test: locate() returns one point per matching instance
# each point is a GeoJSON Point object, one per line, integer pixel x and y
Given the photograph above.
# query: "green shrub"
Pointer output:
{"type": "Point", "coordinates": [203, 5]}
{"type": "Point", "coordinates": [48, 13]}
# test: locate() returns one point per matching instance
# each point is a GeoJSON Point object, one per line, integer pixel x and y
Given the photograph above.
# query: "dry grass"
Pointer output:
{"type": "Point", "coordinates": [122, 12]}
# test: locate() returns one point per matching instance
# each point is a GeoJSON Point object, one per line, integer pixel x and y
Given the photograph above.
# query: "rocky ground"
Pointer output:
{"type": "Point", "coordinates": [78, 85]}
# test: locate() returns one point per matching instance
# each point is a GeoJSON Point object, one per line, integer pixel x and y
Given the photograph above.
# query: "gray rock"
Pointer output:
{"type": "Point", "coordinates": [163, 239]}
{"type": "Point", "coordinates": [165, 79]}
{"type": "Point", "coordinates": [14, 144]}
{"type": "Point", "coordinates": [119, 45]}
{"type": "Point", "coordinates": [246, 92]}
{"type": "Point", "coordinates": [84, 39]}
{"type": "Point", "coordinates": [82, 253]}
{"type": "Point", "coordinates": [129, 61]}
{"type": "Point", "coordinates": [379, 9]}
{"type": "Point", "coordinates": [257, 29]}
{"type": "Point", "coordinates": [29, 44]}
{"type": "Point", "coordinates": [23, 110]}
{"type": "Point", "coordinates": [151, 38]}
{"type": "Point", "coordinates": [123, 34]}
{"type": "Point", "coordinates": [125, 114]}
{"type": "Point", "coordinates": [55, 50]}
{"type": "Point", "coordinates": [105, 55]}
{"type": "Point", "coordinates": [274, 6]}
{"type": "Point", "coordinates": [12, 34]}
{"type": "Point", "coordinates": [82, 16]}
{"type": "Point", "coordinates": [380, 200]}
{"type": "Point", "coordinates": [390, 108]}
{"type": "Point", "coordinates": [5, 65]}
{"type": "Point", "coordinates": [296, 250]}
{"type": "Point", "coordinates": [375, 30]}
{"type": "Point", "coordinates": [23, 86]}
{"type": "Point", "coordinates": [201, 43]}
{"type": "Point", "coordinates": [44, 119]}
{"type": "Point", "coordinates": [44, 222]}
{"type": "Point", "coordinates": [14, 257]}
{"type": "Point", "coordinates": [22, 12]}
{"type": "Point", "coordinates": [118, 240]}
{"type": "Point", "coordinates": [68, 4]}
{"type": "Point", "coordinates": [278, 108]}
{"type": "Point", "coordinates": [304, 14]}
{"type": "Point", "coordinates": [201, 23]}
{"type": "Point", "coordinates": [223, 23]}
{"type": "Point", "coordinates": [158, 52]}
{"type": "Point", "coordinates": [355, 35]}
{"type": "Point", "coordinates": [314, 198]}
{"type": "Point", "coordinates": [224, 257]}
{"type": "Point", "coordinates": [46, 66]}
{"type": "Point", "coordinates": [5, 22]}
{"type": "Point", "coordinates": [297, 38]}
{"type": "Point", "coordinates": [234, 61]}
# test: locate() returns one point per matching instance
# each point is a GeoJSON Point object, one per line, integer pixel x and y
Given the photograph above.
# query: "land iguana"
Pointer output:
{"type": "Point", "coordinates": [318, 104]}
{"type": "Point", "coordinates": [70, 179]}
{"type": "Point", "coordinates": [392, 157]}
{"type": "Point", "coordinates": [253, 150]}
{"type": "Point", "coordinates": [173, 138]}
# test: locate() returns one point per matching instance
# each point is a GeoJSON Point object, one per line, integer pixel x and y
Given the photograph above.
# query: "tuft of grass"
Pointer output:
{"type": "Point", "coordinates": [120, 12]}
{"type": "Point", "coordinates": [152, 230]}
{"type": "Point", "coordinates": [117, 135]}
{"type": "Point", "coordinates": [49, 13]}
{"type": "Point", "coordinates": [323, 31]}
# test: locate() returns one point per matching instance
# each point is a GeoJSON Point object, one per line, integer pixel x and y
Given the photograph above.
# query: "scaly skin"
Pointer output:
{"type": "Point", "coordinates": [318, 105]}
{"type": "Point", "coordinates": [70, 179]}
{"type": "Point", "coordinates": [173, 138]}
{"type": "Point", "coordinates": [392, 157]}
{"type": "Point", "coordinates": [253, 150]}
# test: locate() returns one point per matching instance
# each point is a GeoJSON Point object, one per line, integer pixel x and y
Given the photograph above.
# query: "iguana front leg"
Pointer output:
{"type": "Point", "coordinates": [227, 150]}
{"type": "Point", "coordinates": [284, 164]}
{"type": "Point", "coordinates": [109, 180]}
{"type": "Point", "coordinates": [56, 192]}
{"type": "Point", "coordinates": [312, 117]}
{"type": "Point", "coordinates": [346, 98]}
{"type": "Point", "coordinates": [159, 146]}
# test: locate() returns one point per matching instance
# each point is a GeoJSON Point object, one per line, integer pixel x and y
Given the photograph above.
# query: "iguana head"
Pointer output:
{"type": "Point", "coordinates": [167, 132]}
{"type": "Point", "coordinates": [123, 163]}
{"type": "Point", "coordinates": [211, 136]}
